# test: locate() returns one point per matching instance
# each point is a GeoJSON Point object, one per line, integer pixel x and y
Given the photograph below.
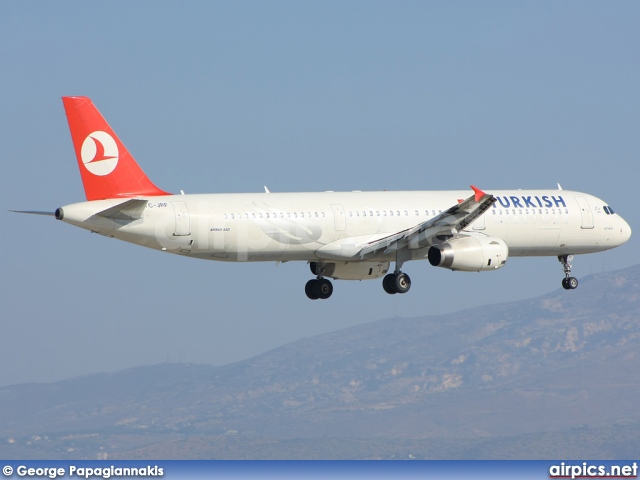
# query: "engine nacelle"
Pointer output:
{"type": "Point", "coordinates": [350, 270]}
{"type": "Point", "coordinates": [470, 254]}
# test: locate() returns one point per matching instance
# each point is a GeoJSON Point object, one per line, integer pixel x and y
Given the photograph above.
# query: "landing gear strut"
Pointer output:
{"type": "Point", "coordinates": [569, 282]}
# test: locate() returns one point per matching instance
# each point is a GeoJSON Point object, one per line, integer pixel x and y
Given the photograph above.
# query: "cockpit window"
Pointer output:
{"type": "Point", "coordinates": [608, 210]}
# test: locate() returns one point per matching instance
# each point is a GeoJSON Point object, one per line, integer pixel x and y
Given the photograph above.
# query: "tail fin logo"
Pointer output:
{"type": "Point", "coordinates": [99, 153]}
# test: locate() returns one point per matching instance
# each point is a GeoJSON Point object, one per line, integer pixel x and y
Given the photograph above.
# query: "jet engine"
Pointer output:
{"type": "Point", "coordinates": [350, 270]}
{"type": "Point", "coordinates": [469, 254]}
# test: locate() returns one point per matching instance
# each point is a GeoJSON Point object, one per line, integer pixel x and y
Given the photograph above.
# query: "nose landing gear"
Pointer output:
{"type": "Point", "coordinates": [569, 282]}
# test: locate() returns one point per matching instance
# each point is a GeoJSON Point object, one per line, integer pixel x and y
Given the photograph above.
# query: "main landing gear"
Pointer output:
{"type": "Point", "coordinates": [569, 282]}
{"type": "Point", "coordinates": [318, 288]}
{"type": "Point", "coordinates": [396, 282]}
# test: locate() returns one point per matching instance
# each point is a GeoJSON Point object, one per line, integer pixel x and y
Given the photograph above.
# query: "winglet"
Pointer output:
{"type": "Point", "coordinates": [479, 193]}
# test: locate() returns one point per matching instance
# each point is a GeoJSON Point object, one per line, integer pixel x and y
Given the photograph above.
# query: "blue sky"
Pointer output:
{"type": "Point", "coordinates": [299, 96]}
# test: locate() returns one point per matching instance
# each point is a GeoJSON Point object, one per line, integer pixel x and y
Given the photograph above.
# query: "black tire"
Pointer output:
{"type": "Point", "coordinates": [402, 283]}
{"type": "Point", "coordinates": [388, 284]}
{"type": "Point", "coordinates": [565, 284]}
{"type": "Point", "coordinates": [325, 288]}
{"type": "Point", "coordinates": [312, 290]}
{"type": "Point", "coordinates": [572, 282]}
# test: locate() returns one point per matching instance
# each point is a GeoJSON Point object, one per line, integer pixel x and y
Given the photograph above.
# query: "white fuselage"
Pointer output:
{"type": "Point", "coordinates": [332, 225]}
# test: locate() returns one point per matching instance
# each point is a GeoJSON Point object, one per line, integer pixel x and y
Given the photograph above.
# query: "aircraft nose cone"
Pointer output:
{"type": "Point", "coordinates": [625, 230]}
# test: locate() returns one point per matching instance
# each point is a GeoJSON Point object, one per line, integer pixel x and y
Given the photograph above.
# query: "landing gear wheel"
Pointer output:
{"type": "Point", "coordinates": [570, 283]}
{"type": "Point", "coordinates": [318, 289]}
{"type": "Point", "coordinates": [388, 284]}
{"type": "Point", "coordinates": [325, 288]}
{"type": "Point", "coordinates": [402, 282]}
{"type": "Point", "coordinates": [311, 289]}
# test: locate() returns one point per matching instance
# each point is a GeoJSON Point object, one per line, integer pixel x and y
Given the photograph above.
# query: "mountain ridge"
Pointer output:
{"type": "Point", "coordinates": [555, 363]}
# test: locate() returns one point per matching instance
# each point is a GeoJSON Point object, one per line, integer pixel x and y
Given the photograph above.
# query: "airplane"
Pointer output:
{"type": "Point", "coordinates": [341, 235]}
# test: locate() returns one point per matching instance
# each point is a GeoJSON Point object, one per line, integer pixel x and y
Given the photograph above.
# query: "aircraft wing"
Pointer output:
{"type": "Point", "coordinates": [436, 229]}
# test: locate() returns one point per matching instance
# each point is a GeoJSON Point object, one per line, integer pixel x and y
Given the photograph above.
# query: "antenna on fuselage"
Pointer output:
{"type": "Point", "coordinates": [559, 187]}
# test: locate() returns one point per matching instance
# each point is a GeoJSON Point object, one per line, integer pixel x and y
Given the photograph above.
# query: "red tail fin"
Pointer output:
{"type": "Point", "coordinates": [108, 170]}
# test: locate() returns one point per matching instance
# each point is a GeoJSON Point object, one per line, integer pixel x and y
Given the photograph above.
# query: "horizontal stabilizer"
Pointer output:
{"type": "Point", "coordinates": [127, 211]}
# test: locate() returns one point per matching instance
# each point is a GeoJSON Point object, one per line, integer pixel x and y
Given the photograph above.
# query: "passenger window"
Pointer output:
{"type": "Point", "coordinates": [406, 213]}
{"type": "Point", "coordinates": [391, 213]}
{"type": "Point", "coordinates": [377, 213]}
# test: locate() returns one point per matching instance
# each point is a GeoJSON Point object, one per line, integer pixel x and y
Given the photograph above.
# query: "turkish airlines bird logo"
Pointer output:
{"type": "Point", "coordinates": [99, 153]}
